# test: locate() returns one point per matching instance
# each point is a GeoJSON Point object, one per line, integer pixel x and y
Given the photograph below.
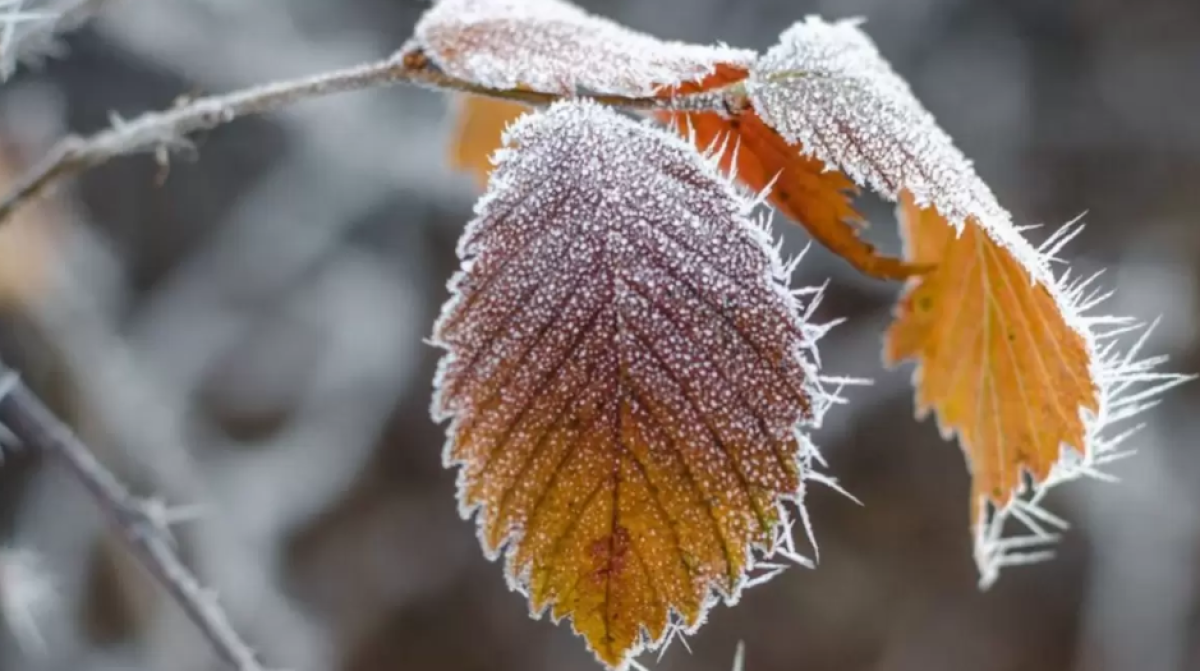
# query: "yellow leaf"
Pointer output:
{"type": "Point", "coordinates": [627, 375]}
{"type": "Point", "coordinates": [479, 124]}
{"type": "Point", "coordinates": [999, 362]}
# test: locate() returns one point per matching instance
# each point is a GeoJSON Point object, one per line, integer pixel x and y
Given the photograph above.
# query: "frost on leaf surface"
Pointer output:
{"type": "Point", "coordinates": [553, 46]}
{"type": "Point", "coordinates": [826, 87]}
{"type": "Point", "coordinates": [627, 374]}
{"type": "Point", "coordinates": [1007, 356]}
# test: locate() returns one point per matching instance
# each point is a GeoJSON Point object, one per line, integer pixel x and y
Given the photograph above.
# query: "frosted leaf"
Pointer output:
{"type": "Point", "coordinates": [826, 87]}
{"type": "Point", "coordinates": [553, 46]}
{"type": "Point", "coordinates": [627, 373]}
{"type": "Point", "coordinates": [1010, 356]}
{"type": "Point", "coordinates": [1032, 381]}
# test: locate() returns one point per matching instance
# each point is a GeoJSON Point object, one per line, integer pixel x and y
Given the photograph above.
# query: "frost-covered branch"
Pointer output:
{"type": "Point", "coordinates": [143, 524]}
{"type": "Point", "coordinates": [160, 132]}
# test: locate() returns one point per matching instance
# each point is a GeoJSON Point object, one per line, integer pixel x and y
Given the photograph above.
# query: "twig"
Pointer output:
{"type": "Point", "coordinates": [143, 524]}
{"type": "Point", "coordinates": [161, 131]}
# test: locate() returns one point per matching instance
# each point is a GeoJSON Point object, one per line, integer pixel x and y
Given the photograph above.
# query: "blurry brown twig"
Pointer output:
{"type": "Point", "coordinates": [160, 132]}
{"type": "Point", "coordinates": [144, 524]}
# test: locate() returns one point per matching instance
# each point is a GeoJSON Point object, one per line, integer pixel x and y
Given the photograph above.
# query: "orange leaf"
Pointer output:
{"type": "Point", "coordinates": [999, 362]}
{"type": "Point", "coordinates": [626, 375]}
{"type": "Point", "coordinates": [1012, 367]}
{"type": "Point", "coordinates": [479, 125]}
{"type": "Point", "coordinates": [1008, 357]}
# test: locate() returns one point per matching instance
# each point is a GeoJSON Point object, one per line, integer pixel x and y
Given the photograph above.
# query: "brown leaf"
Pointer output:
{"type": "Point", "coordinates": [479, 124]}
{"type": "Point", "coordinates": [626, 374]}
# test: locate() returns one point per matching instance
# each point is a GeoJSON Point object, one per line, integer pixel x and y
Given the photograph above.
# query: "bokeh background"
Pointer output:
{"type": "Point", "coordinates": [245, 332]}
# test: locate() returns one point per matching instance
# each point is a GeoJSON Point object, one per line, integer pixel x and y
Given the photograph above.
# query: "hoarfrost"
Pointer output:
{"type": "Point", "coordinates": [555, 47]}
{"type": "Point", "coordinates": [826, 87]}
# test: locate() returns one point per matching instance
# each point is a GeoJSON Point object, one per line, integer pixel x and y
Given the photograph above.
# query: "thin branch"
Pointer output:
{"type": "Point", "coordinates": [143, 524]}
{"type": "Point", "coordinates": [160, 132]}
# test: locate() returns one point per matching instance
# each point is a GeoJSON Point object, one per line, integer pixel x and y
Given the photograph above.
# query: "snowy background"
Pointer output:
{"type": "Point", "coordinates": [248, 336]}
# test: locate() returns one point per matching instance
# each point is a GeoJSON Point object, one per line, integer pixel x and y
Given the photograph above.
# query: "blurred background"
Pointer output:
{"type": "Point", "coordinates": [245, 332]}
